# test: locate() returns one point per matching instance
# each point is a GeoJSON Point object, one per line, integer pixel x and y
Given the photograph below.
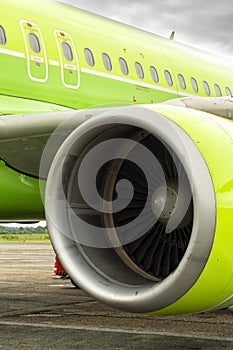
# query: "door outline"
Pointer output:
{"type": "Point", "coordinates": [71, 66]}
{"type": "Point", "coordinates": [32, 56]}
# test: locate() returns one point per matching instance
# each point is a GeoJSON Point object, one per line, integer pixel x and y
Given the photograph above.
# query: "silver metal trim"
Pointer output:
{"type": "Point", "coordinates": [138, 295]}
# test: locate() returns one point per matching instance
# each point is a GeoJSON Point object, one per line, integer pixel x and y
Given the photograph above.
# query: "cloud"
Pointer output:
{"type": "Point", "coordinates": [204, 24]}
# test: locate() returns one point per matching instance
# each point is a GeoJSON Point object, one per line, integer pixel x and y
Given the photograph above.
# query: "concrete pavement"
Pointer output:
{"type": "Point", "coordinates": [38, 311]}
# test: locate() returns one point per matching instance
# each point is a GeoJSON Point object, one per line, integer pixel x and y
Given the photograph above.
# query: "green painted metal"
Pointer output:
{"type": "Point", "coordinates": [20, 197]}
{"type": "Point", "coordinates": [97, 86]}
{"type": "Point", "coordinates": [43, 82]}
{"type": "Point", "coordinates": [214, 140]}
{"type": "Point", "coordinates": [25, 81]}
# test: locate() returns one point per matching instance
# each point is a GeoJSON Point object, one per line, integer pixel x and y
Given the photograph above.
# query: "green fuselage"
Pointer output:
{"type": "Point", "coordinates": [48, 79]}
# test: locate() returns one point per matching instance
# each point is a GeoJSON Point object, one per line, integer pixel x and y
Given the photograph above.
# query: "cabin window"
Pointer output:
{"type": "Point", "coordinates": [2, 36]}
{"type": "Point", "coordinates": [228, 91]}
{"type": "Point", "coordinates": [89, 57]}
{"type": "Point", "coordinates": [139, 70]}
{"type": "Point", "coordinates": [124, 66]}
{"type": "Point", "coordinates": [154, 74]}
{"type": "Point", "coordinates": [217, 90]}
{"type": "Point", "coordinates": [107, 61]}
{"type": "Point", "coordinates": [67, 50]}
{"type": "Point", "coordinates": [182, 81]}
{"type": "Point", "coordinates": [206, 88]}
{"type": "Point", "coordinates": [34, 42]}
{"type": "Point", "coordinates": [168, 78]}
{"type": "Point", "coordinates": [194, 85]}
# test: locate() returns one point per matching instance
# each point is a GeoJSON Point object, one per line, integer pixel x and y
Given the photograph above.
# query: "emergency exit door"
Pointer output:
{"type": "Point", "coordinates": [37, 63]}
{"type": "Point", "coordinates": [70, 74]}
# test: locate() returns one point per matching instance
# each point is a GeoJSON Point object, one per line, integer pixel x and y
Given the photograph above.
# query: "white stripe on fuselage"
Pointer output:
{"type": "Point", "coordinates": [103, 75]}
{"type": "Point", "coordinates": [134, 82]}
{"type": "Point", "coordinates": [12, 53]}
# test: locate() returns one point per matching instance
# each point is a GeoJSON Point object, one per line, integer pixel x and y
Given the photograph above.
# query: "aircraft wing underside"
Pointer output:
{"type": "Point", "coordinates": [23, 137]}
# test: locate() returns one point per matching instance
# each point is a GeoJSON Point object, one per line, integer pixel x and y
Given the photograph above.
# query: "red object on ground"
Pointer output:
{"type": "Point", "coordinates": [58, 269]}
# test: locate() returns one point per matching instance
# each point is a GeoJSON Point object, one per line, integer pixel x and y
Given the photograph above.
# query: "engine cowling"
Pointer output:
{"type": "Point", "coordinates": [139, 208]}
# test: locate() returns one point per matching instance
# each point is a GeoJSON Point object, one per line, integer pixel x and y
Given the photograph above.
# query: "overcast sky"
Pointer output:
{"type": "Point", "coordinates": [206, 24]}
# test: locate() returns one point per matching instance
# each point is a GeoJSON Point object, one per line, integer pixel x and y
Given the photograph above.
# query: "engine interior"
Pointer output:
{"type": "Point", "coordinates": [124, 212]}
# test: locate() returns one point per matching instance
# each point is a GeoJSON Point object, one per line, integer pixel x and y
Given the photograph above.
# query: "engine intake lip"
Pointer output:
{"type": "Point", "coordinates": [148, 296]}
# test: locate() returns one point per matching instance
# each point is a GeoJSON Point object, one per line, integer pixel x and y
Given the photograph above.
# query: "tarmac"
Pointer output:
{"type": "Point", "coordinates": [39, 311]}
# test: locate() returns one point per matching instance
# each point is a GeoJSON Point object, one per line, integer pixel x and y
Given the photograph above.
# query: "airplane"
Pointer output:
{"type": "Point", "coordinates": [122, 141]}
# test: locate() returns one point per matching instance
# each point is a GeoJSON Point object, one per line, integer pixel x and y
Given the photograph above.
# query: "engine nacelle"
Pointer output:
{"type": "Point", "coordinates": [139, 206]}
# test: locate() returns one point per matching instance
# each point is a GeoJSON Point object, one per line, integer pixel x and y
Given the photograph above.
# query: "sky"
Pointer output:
{"type": "Point", "coordinates": [205, 24]}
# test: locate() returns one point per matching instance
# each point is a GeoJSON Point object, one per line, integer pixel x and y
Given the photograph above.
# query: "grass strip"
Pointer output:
{"type": "Point", "coordinates": [24, 238]}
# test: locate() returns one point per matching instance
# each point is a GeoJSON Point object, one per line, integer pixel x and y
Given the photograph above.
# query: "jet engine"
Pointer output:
{"type": "Point", "coordinates": [139, 206]}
